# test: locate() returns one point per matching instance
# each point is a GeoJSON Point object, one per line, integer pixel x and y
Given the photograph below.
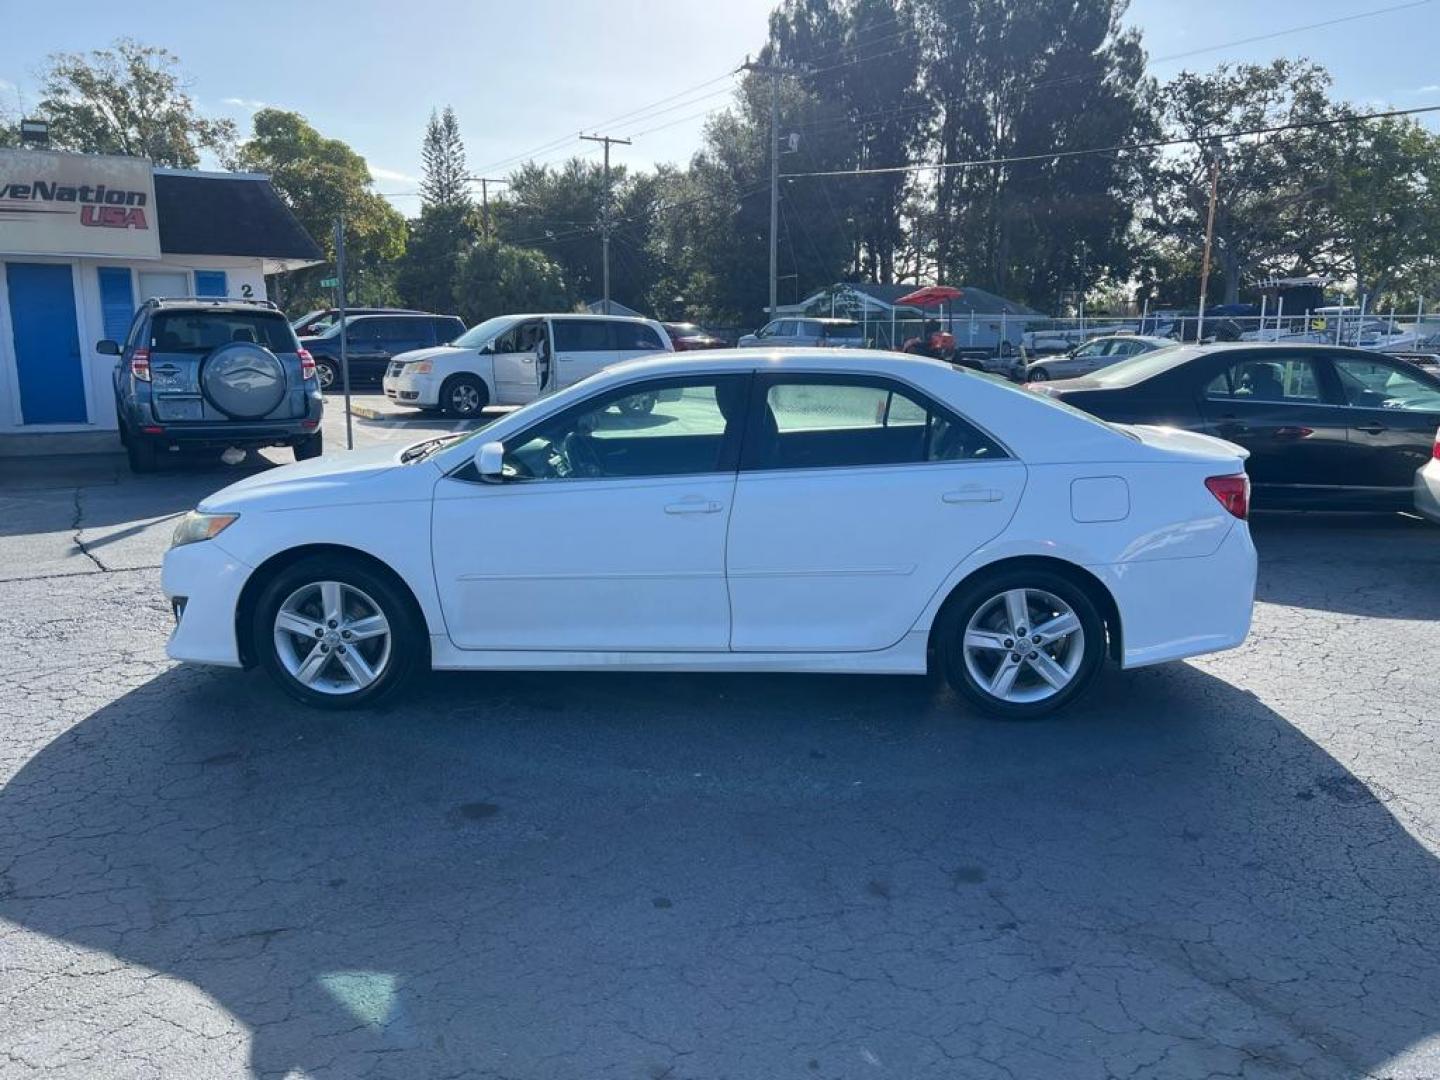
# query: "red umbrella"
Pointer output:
{"type": "Point", "coordinates": [930, 296]}
{"type": "Point", "coordinates": [933, 296]}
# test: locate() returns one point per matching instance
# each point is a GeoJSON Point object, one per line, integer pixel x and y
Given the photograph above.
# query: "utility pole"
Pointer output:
{"type": "Point", "coordinates": [344, 329]}
{"type": "Point", "coordinates": [1209, 240]}
{"type": "Point", "coordinates": [774, 72]}
{"type": "Point", "coordinates": [485, 182]}
{"type": "Point", "coordinates": [605, 215]}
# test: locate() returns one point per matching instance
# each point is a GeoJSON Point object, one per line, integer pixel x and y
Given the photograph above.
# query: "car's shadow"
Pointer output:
{"type": "Point", "coordinates": [1382, 565]}
{"type": "Point", "coordinates": [645, 875]}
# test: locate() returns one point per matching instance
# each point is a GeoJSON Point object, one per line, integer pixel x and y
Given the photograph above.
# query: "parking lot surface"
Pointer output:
{"type": "Point", "coordinates": [1217, 868]}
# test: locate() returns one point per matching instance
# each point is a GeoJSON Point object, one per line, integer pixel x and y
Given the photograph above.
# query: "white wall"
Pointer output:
{"type": "Point", "coordinates": [99, 397]}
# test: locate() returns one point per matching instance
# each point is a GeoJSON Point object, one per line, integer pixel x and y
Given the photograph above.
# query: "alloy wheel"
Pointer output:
{"type": "Point", "coordinates": [464, 399]}
{"type": "Point", "coordinates": [1024, 645]}
{"type": "Point", "coordinates": [332, 637]}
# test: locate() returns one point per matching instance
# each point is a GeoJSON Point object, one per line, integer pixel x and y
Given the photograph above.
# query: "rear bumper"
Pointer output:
{"type": "Point", "coordinates": [1174, 608]}
{"type": "Point", "coordinates": [1427, 491]}
{"type": "Point", "coordinates": [207, 579]}
{"type": "Point", "coordinates": [137, 416]}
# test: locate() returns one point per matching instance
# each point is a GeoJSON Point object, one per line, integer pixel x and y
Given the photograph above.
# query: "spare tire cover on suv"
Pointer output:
{"type": "Point", "coordinates": [243, 380]}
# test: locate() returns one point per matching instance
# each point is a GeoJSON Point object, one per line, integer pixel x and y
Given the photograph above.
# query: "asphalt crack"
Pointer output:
{"type": "Point", "coordinates": [77, 526]}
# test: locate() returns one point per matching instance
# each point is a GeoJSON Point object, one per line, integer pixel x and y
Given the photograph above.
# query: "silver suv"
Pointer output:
{"type": "Point", "coordinates": [213, 374]}
{"type": "Point", "coordinates": [832, 333]}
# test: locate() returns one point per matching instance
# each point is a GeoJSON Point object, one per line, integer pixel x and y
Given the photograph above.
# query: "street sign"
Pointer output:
{"type": "Point", "coordinates": [330, 283]}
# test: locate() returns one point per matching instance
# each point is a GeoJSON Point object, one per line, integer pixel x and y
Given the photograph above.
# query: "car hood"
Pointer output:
{"type": "Point", "coordinates": [329, 480]}
{"type": "Point", "coordinates": [434, 352]}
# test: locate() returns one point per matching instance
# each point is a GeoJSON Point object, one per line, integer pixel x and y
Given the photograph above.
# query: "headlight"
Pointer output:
{"type": "Point", "coordinates": [421, 367]}
{"type": "Point", "coordinates": [196, 526]}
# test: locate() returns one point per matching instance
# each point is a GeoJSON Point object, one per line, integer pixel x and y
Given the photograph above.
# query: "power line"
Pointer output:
{"type": "Point", "coordinates": [1153, 144]}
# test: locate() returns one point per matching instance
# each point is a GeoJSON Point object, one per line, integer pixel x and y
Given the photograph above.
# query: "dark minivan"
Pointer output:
{"type": "Point", "coordinates": [372, 340]}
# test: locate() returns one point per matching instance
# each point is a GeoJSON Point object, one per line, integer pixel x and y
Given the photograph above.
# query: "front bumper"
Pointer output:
{"type": "Point", "coordinates": [1427, 491]}
{"type": "Point", "coordinates": [206, 580]}
{"type": "Point", "coordinates": [1174, 608]}
{"type": "Point", "coordinates": [417, 390]}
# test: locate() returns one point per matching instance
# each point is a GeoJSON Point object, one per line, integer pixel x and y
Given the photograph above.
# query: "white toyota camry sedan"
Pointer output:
{"type": "Point", "coordinates": [814, 511]}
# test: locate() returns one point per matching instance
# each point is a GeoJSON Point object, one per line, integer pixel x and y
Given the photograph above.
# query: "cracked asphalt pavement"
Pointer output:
{"type": "Point", "coordinates": [1224, 868]}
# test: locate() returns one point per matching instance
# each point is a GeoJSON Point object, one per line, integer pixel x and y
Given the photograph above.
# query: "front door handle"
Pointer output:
{"type": "Point", "coordinates": [1372, 429]}
{"type": "Point", "coordinates": [972, 495]}
{"type": "Point", "coordinates": [694, 506]}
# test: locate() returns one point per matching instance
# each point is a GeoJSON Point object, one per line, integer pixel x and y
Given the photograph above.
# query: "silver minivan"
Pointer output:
{"type": "Point", "coordinates": [514, 359]}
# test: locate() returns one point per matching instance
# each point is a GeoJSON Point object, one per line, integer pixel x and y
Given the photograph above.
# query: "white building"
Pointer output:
{"type": "Point", "coordinates": [84, 239]}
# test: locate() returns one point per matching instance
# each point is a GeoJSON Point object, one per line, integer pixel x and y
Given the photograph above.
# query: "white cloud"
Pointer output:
{"type": "Point", "coordinates": [1432, 88]}
{"type": "Point", "coordinates": [392, 174]}
{"type": "Point", "coordinates": [249, 104]}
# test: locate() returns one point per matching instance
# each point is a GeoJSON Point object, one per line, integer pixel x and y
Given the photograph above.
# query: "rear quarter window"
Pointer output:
{"type": "Point", "coordinates": [202, 331]}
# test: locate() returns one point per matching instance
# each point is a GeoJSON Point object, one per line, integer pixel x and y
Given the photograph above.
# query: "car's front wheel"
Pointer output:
{"type": "Point", "coordinates": [463, 395]}
{"type": "Point", "coordinates": [335, 633]}
{"type": "Point", "coordinates": [1022, 642]}
{"type": "Point", "coordinates": [1037, 374]}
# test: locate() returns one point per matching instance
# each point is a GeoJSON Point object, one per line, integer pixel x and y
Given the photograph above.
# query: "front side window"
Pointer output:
{"type": "Point", "coordinates": [1085, 352]}
{"type": "Point", "coordinates": [1282, 379]}
{"type": "Point", "coordinates": [810, 423]}
{"type": "Point", "coordinates": [668, 427]}
{"type": "Point", "coordinates": [1372, 384]}
{"type": "Point", "coordinates": [784, 328]}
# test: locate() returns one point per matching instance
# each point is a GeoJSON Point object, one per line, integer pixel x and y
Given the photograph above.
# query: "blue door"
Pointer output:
{"type": "Point", "coordinates": [47, 343]}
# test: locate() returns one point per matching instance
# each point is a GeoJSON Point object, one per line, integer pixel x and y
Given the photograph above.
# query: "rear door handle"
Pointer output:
{"type": "Point", "coordinates": [972, 495]}
{"type": "Point", "coordinates": [1372, 429]}
{"type": "Point", "coordinates": [694, 506]}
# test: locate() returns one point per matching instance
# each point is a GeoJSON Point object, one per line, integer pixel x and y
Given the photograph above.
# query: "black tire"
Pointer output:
{"type": "Point", "coordinates": [464, 396]}
{"type": "Point", "coordinates": [1038, 374]}
{"type": "Point", "coordinates": [327, 374]}
{"type": "Point", "coordinates": [408, 646]}
{"type": "Point", "coordinates": [311, 447]}
{"type": "Point", "coordinates": [142, 453]}
{"type": "Point", "coordinates": [978, 596]}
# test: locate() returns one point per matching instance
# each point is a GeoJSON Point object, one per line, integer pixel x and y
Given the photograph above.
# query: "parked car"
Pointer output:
{"type": "Point", "coordinates": [1427, 485]}
{"type": "Point", "coordinates": [1328, 428]}
{"type": "Point", "coordinates": [317, 322]}
{"type": "Point", "coordinates": [513, 359]}
{"type": "Point", "coordinates": [1092, 356]}
{"type": "Point", "coordinates": [213, 374]}
{"type": "Point", "coordinates": [372, 341]}
{"type": "Point", "coordinates": [787, 333]}
{"type": "Point", "coordinates": [819, 510]}
{"type": "Point", "coordinates": [688, 337]}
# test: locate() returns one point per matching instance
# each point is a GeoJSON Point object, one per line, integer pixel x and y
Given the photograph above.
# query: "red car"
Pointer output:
{"type": "Point", "coordinates": [687, 336]}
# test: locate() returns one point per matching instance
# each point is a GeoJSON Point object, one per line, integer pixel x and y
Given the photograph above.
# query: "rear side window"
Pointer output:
{"type": "Point", "coordinates": [581, 335]}
{"type": "Point", "coordinates": [406, 333]}
{"type": "Point", "coordinates": [635, 337]}
{"type": "Point", "coordinates": [447, 330]}
{"type": "Point", "coordinates": [814, 423]}
{"type": "Point", "coordinates": [201, 331]}
{"type": "Point", "coordinates": [1279, 379]}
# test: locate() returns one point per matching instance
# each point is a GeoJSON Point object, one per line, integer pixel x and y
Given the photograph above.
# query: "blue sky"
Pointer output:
{"type": "Point", "coordinates": [523, 75]}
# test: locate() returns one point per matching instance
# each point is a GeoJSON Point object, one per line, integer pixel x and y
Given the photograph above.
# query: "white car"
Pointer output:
{"type": "Point", "coordinates": [804, 510]}
{"type": "Point", "coordinates": [514, 359]}
{"type": "Point", "coordinates": [1427, 486]}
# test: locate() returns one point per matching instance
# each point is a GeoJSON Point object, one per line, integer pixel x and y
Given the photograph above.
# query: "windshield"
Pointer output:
{"type": "Point", "coordinates": [1137, 368]}
{"type": "Point", "coordinates": [483, 333]}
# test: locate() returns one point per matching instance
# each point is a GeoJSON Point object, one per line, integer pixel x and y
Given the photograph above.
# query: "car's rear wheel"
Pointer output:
{"type": "Point", "coordinates": [142, 453]}
{"type": "Point", "coordinates": [336, 634]}
{"type": "Point", "coordinates": [326, 373]}
{"type": "Point", "coordinates": [463, 395]}
{"type": "Point", "coordinates": [1021, 643]}
{"type": "Point", "coordinates": [311, 447]}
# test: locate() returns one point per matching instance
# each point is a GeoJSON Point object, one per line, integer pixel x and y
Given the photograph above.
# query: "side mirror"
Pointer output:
{"type": "Point", "coordinates": [108, 347]}
{"type": "Point", "coordinates": [490, 461]}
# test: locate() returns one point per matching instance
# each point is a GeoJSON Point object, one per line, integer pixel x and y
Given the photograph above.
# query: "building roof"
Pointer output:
{"type": "Point", "coordinates": [979, 301]}
{"type": "Point", "coordinates": [230, 214]}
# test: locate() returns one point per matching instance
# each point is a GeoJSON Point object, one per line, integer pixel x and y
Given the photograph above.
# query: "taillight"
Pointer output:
{"type": "Point", "coordinates": [1435, 453]}
{"type": "Point", "coordinates": [140, 363]}
{"type": "Point", "coordinates": [307, 364]}
{"type": "Point", "coordinates": [1233, 492]}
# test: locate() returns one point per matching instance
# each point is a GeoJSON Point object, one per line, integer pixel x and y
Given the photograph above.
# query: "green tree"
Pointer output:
{"type": "Point", "coordinates": [499, 279]}
{"type": "Point", "coordinates": [446, 182]}
{"type": "Point", "coordinates": [128, 99]}
{"type": "Point", "coordinates": [322, 179]}
{"type": "Point", "coordinates": [1269, 213]}
{"type": "Point", "coordinates": [446, 229]}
